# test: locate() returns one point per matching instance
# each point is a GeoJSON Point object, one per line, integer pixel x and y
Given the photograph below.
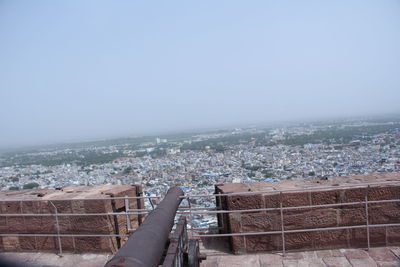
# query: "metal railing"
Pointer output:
{"type": "Point", "coordinates": [179, 238]}
{"type": "Point", "coordinates": [56, 215]}
{"type": "Point", "coordinates": [199, 232]}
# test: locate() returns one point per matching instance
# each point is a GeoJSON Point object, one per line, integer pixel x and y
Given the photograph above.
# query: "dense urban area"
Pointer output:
{"type": "Point", "coordinates": [197, 161]}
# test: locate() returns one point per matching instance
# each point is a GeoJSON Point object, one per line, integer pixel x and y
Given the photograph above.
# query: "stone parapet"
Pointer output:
{"type": "Point", "coordinates": [76, 200]}
{"type": "Point", "coordinates": [306, 193]}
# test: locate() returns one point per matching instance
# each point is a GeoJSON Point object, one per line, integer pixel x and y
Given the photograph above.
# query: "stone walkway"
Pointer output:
{"type": "Point", "coordinates": [42, 259]}
{"type": "Point", "coordinates": [383, 256]}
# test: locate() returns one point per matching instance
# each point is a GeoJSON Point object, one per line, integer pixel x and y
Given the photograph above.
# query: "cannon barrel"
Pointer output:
{"type": "Point", "coordinates": [146, 245]}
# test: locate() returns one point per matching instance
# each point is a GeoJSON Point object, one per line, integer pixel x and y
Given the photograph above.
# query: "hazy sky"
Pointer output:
{"type": "Point", "coordinates": [73, 70]}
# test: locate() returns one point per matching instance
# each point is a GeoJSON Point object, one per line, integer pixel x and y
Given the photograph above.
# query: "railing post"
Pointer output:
{"type": "Point", "coordinates": [128, 218]}
{"type": "Point", "coordinates": [282, 225]}
{"type": "Point", "coordinates": [58, 230]}
{"type": "Point", "coordinates": [139, 193]}
{"type": "Point", "coordinates": [367, 215]}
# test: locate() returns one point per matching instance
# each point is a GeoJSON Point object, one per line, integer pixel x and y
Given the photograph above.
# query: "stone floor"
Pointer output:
{"type": "Point", "coordinates": [383, 256]}
{"type": "Point", "coordinates": [42, 259]}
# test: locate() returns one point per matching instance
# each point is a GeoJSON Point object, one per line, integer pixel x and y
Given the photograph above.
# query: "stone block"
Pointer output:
{"type": "Point", "coordinates": [272, 200]}
{"type": "Point", "coordinates": [92, 224]}
{"type": "Point", "coordinates": [92, 244]}
{"type": "Point", "coordinates": [383, 213]}
{"type": "Point", "coordinates": [384, 192]}
{"type": "Point", "coordinates": [336, 261]}
{"type": "Point", "coordinates": [330, 239]}
{"type": "Point", "coordinates": [356, 254]}
{"type": "Point", "coordinates": [238, 244]}
{"type": "Point", "coordinates": [358, 237]}
{"type": "Point", "coordinates": [327, 197]}
{"type": "Point", "coordinates": [46, 243]}
{"type": "Point", "coordinates": [11, 207]}
{"type": "Point", "coordinates": [27, 243]}
{"type": "Point", "coordinates": [67, 244]}
{"type": "Point", "coordinates": [78, 206]}
{"type": "Point", "coordinates": [96, 206]}
{"type": "Point", "coordinates": [11, 243]}
{"type": "Point", "coordinates": [296, 199]}
{"type": "Point", "coordinates": [382, 255]}
{"type": "Point", "coordinates": [63, 206]}
{"type": "Point", "coordinates": [40, 225]}
{"type": "Point", "coordinates": [235, 222]}
{"type": "Point", "coordinates": [258, 243]}
{"type": "Point", "coordinates": [31, 207]}
{"type": "Point", "coordinates": [299, 241]}
{"type": "Point", "coordinates": [355, 194]}
{"type": "Point", "coordinates": [393, 235]}
{"type": "Point", "coordinates": [245, 202]}
{"type": "Point", "coordinates": [16, 224]}
{"type": "Point", "coordinates": [310, 218]}
{"type": "Point", "coordinates": [352, 215]}
{"type": "Point", "coordinates": [260, 222]}
{"type": "Point", "coordinates": [3, 224]}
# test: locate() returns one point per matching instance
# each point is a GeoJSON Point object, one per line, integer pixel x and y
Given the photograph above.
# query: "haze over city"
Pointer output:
{"type": "Point", "coordinates": [75, 70]}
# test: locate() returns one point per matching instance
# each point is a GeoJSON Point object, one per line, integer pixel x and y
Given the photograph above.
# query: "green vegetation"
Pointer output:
{"type": "Point", "coordinates": [268, 174]}
{"type": "Point", "coordinates": [128, 170]}
{"type": "Point", "coordinates": [31, 185]}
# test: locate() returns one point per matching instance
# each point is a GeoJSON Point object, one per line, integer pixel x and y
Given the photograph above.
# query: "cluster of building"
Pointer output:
{"type": "Point", "coordinates": [197, 171]}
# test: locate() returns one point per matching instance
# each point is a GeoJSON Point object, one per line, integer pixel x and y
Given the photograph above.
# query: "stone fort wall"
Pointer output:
{"type": "Point", "coordinates": [43, 201]}
{"type": "Point", "coordinates": [305, 193]}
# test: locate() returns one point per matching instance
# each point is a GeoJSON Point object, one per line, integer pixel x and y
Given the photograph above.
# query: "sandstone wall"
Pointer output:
{"type": "Point", "coordinates": [104, 224]}
{"type": "Point", "coordinates": [307, 218]}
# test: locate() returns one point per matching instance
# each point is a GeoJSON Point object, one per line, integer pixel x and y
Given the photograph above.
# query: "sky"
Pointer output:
{"type": "Point", "coordinates": [79, 70]}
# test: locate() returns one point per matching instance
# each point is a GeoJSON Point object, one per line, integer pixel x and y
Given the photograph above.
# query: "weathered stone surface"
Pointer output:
{"type": "Point", "coordinates": [330, 239]}
{"type": "Point", "coordinates": [43, 201]}
{"type": "Point", "coordinates": [365, 262]}
{"type": "Point", "coordinates": [393, 235]}
{"type": "Point", "coordinates": [27, 243]}
{"type": "Point", "coordinates": [322, 217]}
{"type": "Point", "coordinates": [382, 254]}
{"type": "Point", "coordinates": [260, 222]}
{"type": "Point", "coordinates": [245, 202]}
{"type": "Point", "coordinates": [384, 192]}
{"type": "Point", "coordinates": [272, 200]}
{"type": "Point", "coordinates": [257, 243]}
{"type": "Point", "coordinates": [296, 241]}
{"type": "Point", "coordinates": [269, 260]}
{"type": "Point", "coordinates": [91, 225]}
{"type": "Point", "coordinates": [235, 222]}
{"type": "Point", "coordinates": [238, 244]}
{"type": "Point", "coordinates": [296, 199]}
{"type": "Point", "coordinates": [356, 254]}
{"type": "Point", "coordinates": [358, 237]}
{"type": "Point", "coordinates": [336, 261]}
{"type": "Point", "coordinates": [310, 218]}
{"type": "Point", "coordinates": [47, 243]}
{"type": "Point", "coordinates": [11, 243]}
{"type": "Point", "coordinates": [352, 215]}
{"type": "Point", "coordinates": [355, 194]}
{"type": "Point", "coordinates": [384, 213]}
{"type": "Point", "coordinates": [326, 197]}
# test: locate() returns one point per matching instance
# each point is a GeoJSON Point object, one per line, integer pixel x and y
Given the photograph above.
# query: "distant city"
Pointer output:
{"type": "Point", "coordinates": [198, 161]}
